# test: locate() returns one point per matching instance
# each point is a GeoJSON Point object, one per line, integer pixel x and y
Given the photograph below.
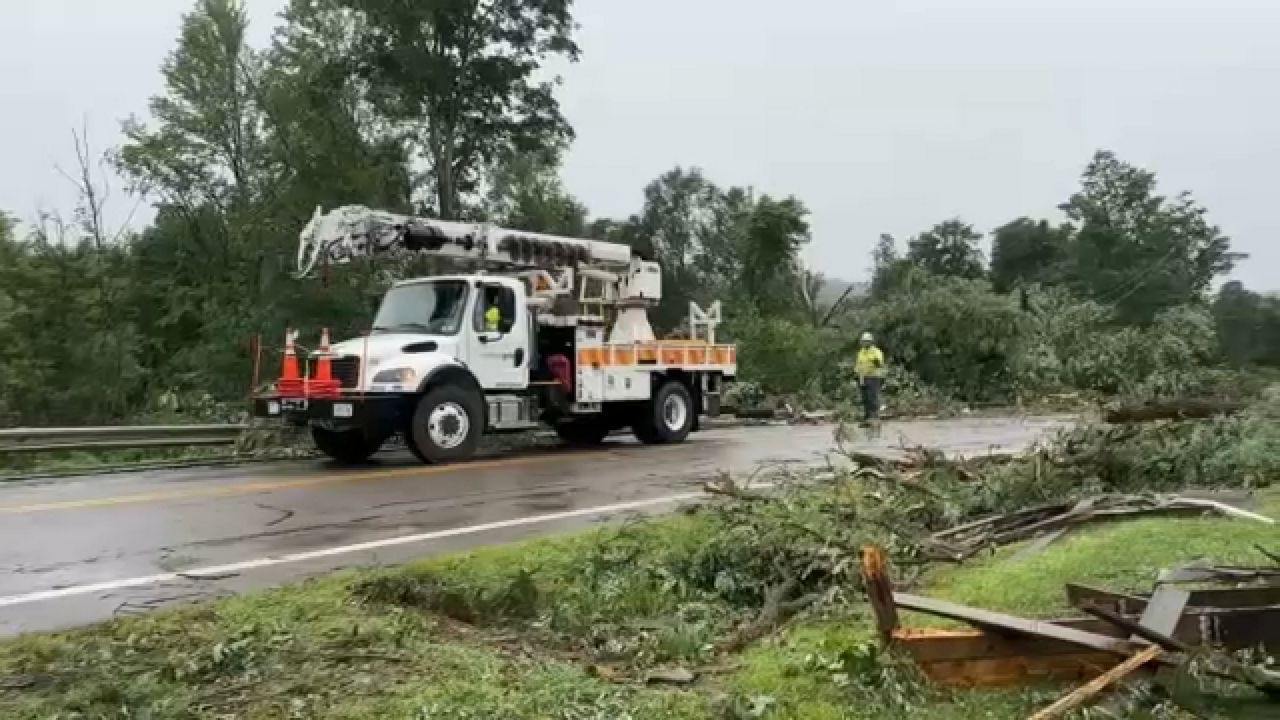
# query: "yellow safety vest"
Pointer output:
{"type": "Point", "coordinates": [870, 362]}
{"type": "Point", "coordinates": [493, 319]}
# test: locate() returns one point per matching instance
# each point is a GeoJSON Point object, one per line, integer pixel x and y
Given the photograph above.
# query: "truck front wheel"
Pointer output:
{"type": "Point", "coordinates": [345, 446]}
{"type": "Point", "coordinates": [667, 417]}
{"type": "Point", "coordinates": [446, 425]}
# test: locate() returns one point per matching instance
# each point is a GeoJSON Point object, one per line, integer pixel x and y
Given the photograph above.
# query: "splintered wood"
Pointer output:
{"type": "Point", "coordinates": [875, 575]}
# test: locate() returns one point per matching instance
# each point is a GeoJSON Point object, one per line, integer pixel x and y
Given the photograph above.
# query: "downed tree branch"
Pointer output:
{"type": "Point", "coordinates": [724, 486]}
{"type": "Point", "coordinates": [1171, 410]}
{"type": "Point", "coordinates": [966, 540]}
{"type": "Point", "coordinates": [775, 611]}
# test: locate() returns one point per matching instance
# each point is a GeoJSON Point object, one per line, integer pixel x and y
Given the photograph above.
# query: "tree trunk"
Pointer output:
{"type": "Point", "coordinates": [1172, 410]}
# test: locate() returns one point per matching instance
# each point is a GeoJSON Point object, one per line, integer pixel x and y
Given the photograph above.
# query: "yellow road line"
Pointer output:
{"type": "Point", "coordinates": [268, 486]}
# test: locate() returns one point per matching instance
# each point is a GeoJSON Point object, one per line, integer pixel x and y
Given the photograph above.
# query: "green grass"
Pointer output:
{"type": "Point", "coordinates": [1124, 556]}
{"type": "Point", "coordinates": [334, 648]}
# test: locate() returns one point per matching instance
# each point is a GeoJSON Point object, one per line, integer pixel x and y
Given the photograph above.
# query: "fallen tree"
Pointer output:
{"type": "Point", "coordinates": [1187, 409]}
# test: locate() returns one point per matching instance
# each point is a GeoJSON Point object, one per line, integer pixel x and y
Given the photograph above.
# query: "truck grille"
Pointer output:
{"type": "Point", "coordinates": [345, 368]}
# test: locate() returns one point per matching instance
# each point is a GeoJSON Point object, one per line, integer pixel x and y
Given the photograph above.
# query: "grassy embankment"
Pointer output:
{"type": "Point", "coordinates": [577, 627]}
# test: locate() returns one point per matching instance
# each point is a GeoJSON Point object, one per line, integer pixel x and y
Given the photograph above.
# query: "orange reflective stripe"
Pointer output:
{"type": "Point", "coordinates": [673, 356]}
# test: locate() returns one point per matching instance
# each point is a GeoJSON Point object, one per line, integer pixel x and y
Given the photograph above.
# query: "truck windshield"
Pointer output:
{"type": "Point", "coordinates": [430, 307]}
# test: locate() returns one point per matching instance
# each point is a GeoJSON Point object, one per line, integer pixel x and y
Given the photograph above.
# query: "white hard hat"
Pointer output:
{"type": "Point", "coordinates": [866, 337]}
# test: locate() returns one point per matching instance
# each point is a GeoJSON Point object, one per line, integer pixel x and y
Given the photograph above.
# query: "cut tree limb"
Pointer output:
{"type": "Point", "coordinates": [776, 610]}
{"type": "Point", "coordinates": [1083, 694]}
{"type": "Point", "coordinates": [1172, 410]}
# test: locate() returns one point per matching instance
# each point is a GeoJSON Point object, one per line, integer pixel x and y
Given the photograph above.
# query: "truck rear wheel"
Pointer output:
{"type": "Point", "coordinates": [446, 425]}
{"type": "Point", "coordinates": [345, 446]}
{"type": "Point", "coordinates": [583, 432]}
{"type": "Point", "coordinates": [667, 417]}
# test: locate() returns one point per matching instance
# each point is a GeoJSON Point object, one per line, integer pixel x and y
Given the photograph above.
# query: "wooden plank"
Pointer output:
{"type": "Point", "coordinates": [1088, 691]}
{"type": "Point", "coordinates": [1243, 597]}
{"type": "Point", "coordinates": [1079, 595]}
{"type": "Point", "coordinates": [1137, 628]}
{"type": "Point", "coordinates": [954, 645]}
{"type": "Point", "coordinates": [1001, 622]}
{"type": "Point", "coordinates": [1265, 680]}
{"type": "Point", "coordinates": [1164, 610]}
{"type": "Point", "coordinates": [1018, 670]}
{"type": "Point", "coordinates": [1246, 628]}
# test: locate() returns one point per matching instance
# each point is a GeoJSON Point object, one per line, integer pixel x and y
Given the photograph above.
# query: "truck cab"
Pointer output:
{"type": "Point", "coordinates": [427, 324]}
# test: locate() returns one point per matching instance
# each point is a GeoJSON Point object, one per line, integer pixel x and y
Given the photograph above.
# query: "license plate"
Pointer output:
{"type": "Point", "coordinates": [342, 410]}
{"type": "Point", "coordinates": [294, 405]}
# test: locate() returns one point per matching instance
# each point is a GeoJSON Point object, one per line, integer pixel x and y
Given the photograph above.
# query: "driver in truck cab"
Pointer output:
{"type": "Point", "coordinates": [492, 309]}
{"type": "Point", "coordinates": [493, 317]}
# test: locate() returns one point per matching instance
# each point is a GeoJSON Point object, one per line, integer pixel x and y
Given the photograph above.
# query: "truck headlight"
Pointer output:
{"type": "Point", "coordinates": [399, 376]}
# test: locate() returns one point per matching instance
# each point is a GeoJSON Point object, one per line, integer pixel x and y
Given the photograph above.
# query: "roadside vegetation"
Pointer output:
{"type": "Point", "coordinates": [746, 606]}
{"type": "Point", "coordinates": [243, 142]}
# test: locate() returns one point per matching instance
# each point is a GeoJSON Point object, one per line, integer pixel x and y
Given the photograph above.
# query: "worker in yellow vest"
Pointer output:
{"type": "Point", "coordinates": [870, 369]}
{"type": "Point", "coordinates": [493, 318]}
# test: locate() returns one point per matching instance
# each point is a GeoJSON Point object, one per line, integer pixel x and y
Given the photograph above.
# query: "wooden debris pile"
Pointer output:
{"type": "Point", "coordinates": [1118, 635]}
{"type": "Point", "coordinates": [1051, 522]}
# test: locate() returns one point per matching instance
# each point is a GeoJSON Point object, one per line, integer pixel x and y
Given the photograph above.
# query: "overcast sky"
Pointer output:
{"type": "Point", "coordinates": [881, 116]}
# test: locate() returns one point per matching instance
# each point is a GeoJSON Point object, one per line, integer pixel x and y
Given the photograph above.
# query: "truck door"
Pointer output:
{"type": "Point", "coordinates": [499, 352]}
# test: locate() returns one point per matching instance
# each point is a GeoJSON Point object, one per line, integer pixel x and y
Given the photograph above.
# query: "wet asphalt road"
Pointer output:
{"type": "Point", "coordinates": [74, 551]}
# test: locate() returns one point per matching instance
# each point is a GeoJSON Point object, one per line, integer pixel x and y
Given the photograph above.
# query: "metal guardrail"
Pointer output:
{"type": "Point", "coordinates": [119, 437]}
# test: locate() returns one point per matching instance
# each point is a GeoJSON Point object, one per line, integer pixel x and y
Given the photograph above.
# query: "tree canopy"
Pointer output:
{"type": "Point", "coordinates": [448, 108]}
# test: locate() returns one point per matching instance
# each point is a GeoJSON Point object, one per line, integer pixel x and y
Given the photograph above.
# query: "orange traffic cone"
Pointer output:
{"type": "Point", "coordinates": [290, 383]}
{"type": "Point", "coordinates": [324, 384]}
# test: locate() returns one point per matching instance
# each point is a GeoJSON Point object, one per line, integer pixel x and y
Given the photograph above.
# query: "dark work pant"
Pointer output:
{"type": "Point", "coordinates": [870, 388]}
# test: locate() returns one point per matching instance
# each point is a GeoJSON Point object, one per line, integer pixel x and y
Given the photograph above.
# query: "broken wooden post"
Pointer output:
{"type": "Point", "coordinates": [875, 576]}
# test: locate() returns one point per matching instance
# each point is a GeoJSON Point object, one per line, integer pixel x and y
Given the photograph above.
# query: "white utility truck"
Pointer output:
{"type": "Point", "coordinates": [552, 331]}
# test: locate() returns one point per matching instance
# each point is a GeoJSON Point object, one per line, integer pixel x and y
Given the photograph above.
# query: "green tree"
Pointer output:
{"type": "Point", "coordinates": [526, 193]}
{"type": "Point", "coordinates": [1027, 251]}
{"type": "Point", "coordinates": [204, 271]}
{"type": "Point", "coordinates": [712, 244]}
{"type": "Point", "coordinates": [207, 140]}
{"type": "Point", "coordinates": [889, 271]}
{"type": "Point", "coordinates": [1136, 249]}
{"type": "Point", "coordinates": [324, 132]}
{"type": "Point", "coordinates": [771, 276]}
{"type": "Point", "coordinates": [954, 333]}
{"type": "Point", "coordinates": [462, 78]}
{"type": "Point", "coordinates": [1248, 325]}
{"type": "Point", "coordinates": [949, 248]}
{"type": "Point", "coordinates": [682, 214]}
